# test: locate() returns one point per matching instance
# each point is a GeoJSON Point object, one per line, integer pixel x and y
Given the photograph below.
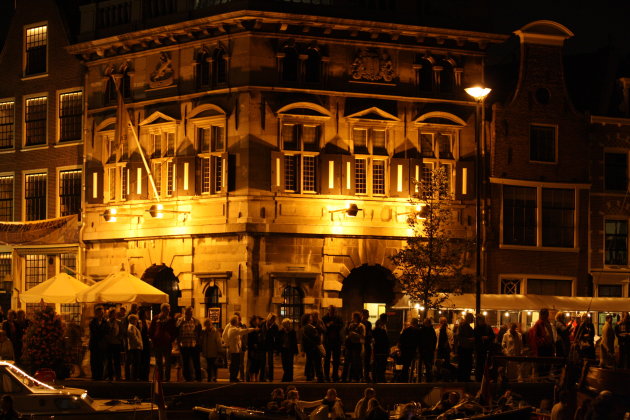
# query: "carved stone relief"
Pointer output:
{"type": "Point", "coordinates": [373, 65]}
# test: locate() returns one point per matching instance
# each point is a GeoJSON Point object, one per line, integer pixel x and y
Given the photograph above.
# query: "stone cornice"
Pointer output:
{"type": "Point", "coordinates": [284, 25]}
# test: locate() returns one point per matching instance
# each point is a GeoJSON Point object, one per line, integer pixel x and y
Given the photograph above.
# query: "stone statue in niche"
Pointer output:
{"type": "Point", "coordinates": [372, 65]}
{"type": "Point", "coordinates": [162, 76]}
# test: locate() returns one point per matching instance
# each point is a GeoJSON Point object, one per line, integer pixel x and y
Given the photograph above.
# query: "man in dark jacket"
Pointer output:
{"type": "Point", "coordinates": [408, 346]}
{"type": "Point", "coordinates": [99, 329]}
{"type": "Point", "coordinates": [163, 332]}
{"type": "Point", "coordinates": [269, 339]}
{"type": "Point", "coordinates": [332, 343]}
{"type": "Point", "coordinates": [484, 337]}
{"type": "Point", "coordinates": [465, 341]}
{"type": "Point", "coordinates": [381, 351]}
{"type": "Point", "coordinates": [311, 340]}
{"type": "Point", "coordinates": [367, 345]}
{"type": "Point", "coordinates": [428, 341]}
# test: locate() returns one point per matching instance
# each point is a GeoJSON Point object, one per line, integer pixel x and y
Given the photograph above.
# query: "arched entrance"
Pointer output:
{"type": "Point", "coordinates": [372, 287]}
{"type": "Point", "coordinates": [163, 278]}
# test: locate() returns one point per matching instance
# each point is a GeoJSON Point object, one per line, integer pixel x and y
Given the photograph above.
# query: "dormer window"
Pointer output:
{"type": "Point", "coordinates": [36, 50]}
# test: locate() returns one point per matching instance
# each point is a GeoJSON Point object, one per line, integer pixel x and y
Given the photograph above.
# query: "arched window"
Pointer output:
{"type": "Point", "coordinates": [447, 76]}
{"type": "Point", "coordinates": [292, 306]}
{"type": "Point", "coordinates": [219, 66]}
{"type": "Point", "coordinates": [203, 69]}
{"type": "Point", "coordinates": [212, 296]}
{"type": "Point", "coordinates": [290, 65]}
{"type": "Point", "coordinates": [313, 66]}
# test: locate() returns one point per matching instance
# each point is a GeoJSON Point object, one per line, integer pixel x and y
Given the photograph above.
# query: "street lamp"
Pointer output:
{"type": "Point", "coordinates": [479, 94]}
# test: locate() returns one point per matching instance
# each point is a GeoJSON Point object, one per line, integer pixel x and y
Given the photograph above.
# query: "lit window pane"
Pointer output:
{"type": "Point", "coordinates": [7, 124]}
{"type": "Point", "coordinates": [6, 198]}
{"type": "Point", "coordinates": [360, 176]}
{"type": "Point", "coordinates": [35, 196]}
{"type": "Point", "coordinates": [35, 121]}
{"type": "Point", "coordinates": [70, 116]}
{"type": "Point", "coordinates": [378, 177]}
{"type": "Point", "coordinates": [36, 42]}
{"type": "Point", "coordinates": [309, 173]}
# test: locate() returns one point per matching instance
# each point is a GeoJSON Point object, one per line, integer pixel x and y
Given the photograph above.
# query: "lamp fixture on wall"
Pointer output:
{"type": "Point", "coordinates": [157, 211]}
{"type": "Point", "coordinates": [420, 211]}
{"type": "Point", "coordinates": [351, 210]}
{"type": "Point", "coordinates": [111, 215]}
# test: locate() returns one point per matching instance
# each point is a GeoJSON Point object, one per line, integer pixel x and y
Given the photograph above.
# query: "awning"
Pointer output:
{"type": "Point", "coordinates": [122, 287]}
{"type": "Point", "coordinates": [61, 288]}
{"type": "Point", "coordinates": [530, 302]}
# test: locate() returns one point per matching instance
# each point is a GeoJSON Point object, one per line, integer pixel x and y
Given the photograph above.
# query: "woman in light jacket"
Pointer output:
{"type": "Point", "coordinates": [512, 345]}
{"type": "Point", "coordinates": [134, 347]}
{"type": "Point", "coordinates": [211, 345]}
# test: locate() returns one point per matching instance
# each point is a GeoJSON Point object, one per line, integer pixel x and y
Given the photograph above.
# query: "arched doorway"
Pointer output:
{"type": "Point", "coordinates": [371, 287]}
{"type": "Point", "coordinates": [163, 278]}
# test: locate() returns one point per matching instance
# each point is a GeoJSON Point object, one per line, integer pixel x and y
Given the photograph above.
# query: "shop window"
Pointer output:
{"type": "Point", "coordinates": [292, 306]}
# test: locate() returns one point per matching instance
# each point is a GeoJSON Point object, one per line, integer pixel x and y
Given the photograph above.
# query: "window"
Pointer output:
{"type": "Point", "coordinates": [426, 144]}
{"type": "Point", "coordinates": [445, 145]}
{"type": "Point", "coordinates": [203, 69]}
{"type": "Point", "coordinates": [616, 172]}
{"type": "Point", "coordinates": [360, 176]}
{"type": "Point", "coordinates": [424, 74]}
{"type": "Point", "coordinates": [549, 287]}
{"type": "Point", "coordinates": [124, 183]}
{"type": "Point", "coordinates": [558, 215]}
{"type": "Point", "coordinates": [156, 145]}
{"type": "Point", "coordinates": [35, 196]}
{"type": "Point", "coordinates": [70, 312]}
{"type": "Point", "coordinates": [70, 116]}
{"type": "Point", "coordinates": [170, 178]}
{"type": "Point", "coordinates": [110, 147]}
{"type": "Point", "coordinates": [157, 176]}
{"type": "Point", "coordinates": [219, 66]}
{"type": "Point", "coordinates": [7, 124]}
{"type": "Point", "coordinates": [211, 149]}
{"type": "Point", "coordinates": [378, 177]}
{"type": "Point", "coordinates": [68, 263]}
{"type": "Point", "coordinates": [36, 270]}
{"type": "Point", "coordinates": [211, 139]}
{"type": "Point", "coordinates": [369, 140]}
{"type": "Point", "coordinates": [302, 139]}
{"type": "Point", "coordinates": [447, 77]}
{"type": "Point", "coordinates": [312, 66]}
{"type": "Point", "coordinates": [111, 179]}
{"type": "Point", "coordinates": [35, 51]}
{"type": "Point", "coordinates": [217, 164]}
{"type": "Point", "coordinates": [609, 290]}
{"type": "Point", "coordinates": [35, 121]}
{"type": "Point", "coordinates": [519, 215]}
{"type": "Point", "coordinates": [292, 306]}
{"type": "Point", "coordinates": [616, 242]}
{"type": "Point", "coordinates": [289, 65]}
{"type": "Point", "coordinates": [70, 192]}
{"type": "Point", "coordinates": [542, 143]}
{"type": "Point", "coordinates": [6, 264]}
{"type": "Point", "coordinates": [510, 286]}
{"type": "Point", "coordinates": [6, 198]}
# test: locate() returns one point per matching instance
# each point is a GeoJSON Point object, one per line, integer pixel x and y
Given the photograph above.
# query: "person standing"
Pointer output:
{"type": "Point", "coordinates": [255, 350]}
{"type": "Point", "coordinates": [125, 324]}
{"type": "Point", "coordinates": [562, 343]}
{"type": "Point", "coordinates": [428, 340]}
{"type": "Point", "coordinates": [114, 346]}
{"type": "Point", "coordinates": [381, 351]}
{"type": "Point", "coordinates": [287, 342]}
{"type": "Point", "coordinates": [188, 334]}
{"type": "Point", "coordinates": [21, 325]}
{"type": "Point", "coordinates": [607, 349]}
{"type": "Point", "coordinates": [210, 348]}
{"type": "Point", "coordinates": [355, 335]}
{"type": "Point", "coordinates": [269, 345]}
{"type": "Point", "coordinates": [512, 345]}
{"type": "Point", "coordinates": [367, 345]}
{"type": "Point", "coordinates": [585, 338]}
{"type": "Point", "coordinates": [408, 347]}
{"type": "Point", "coordinates": [311, 342]}
{"type": "Point", "coordinates": [622, 331]}
{"type": "Point", "coordinates": [332, 343]}
{"type": "Point", "coordinates": [99, 328]}
{"type": "Point", "coordinates": [484, 337]}
{"type": "Point", "coordinates": [163, 333]}
{"type": "Point", "coordinates": [134, 348]}
{"type": "Point", "coordinates": [444, 344]}
{"type": "Point", "coordinates": [10, 328]}
{"type": "Point", "coordinates": [145, 355]}
{"type": "Point", "coordinates": [232, 335]}
{"type": "Point", "coordinates": [465, 341]}
{"type": "Point", "coordinates": [541, 340]}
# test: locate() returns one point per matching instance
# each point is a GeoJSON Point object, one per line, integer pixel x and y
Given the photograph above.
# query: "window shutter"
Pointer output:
{"type": "Point", "coordinates": [138, 181]}
{"type": "Point", "coordinates": [277, 172]}
{"type": "Point", "coordinates": [94, 183]}
{"type": "Point", "coordinates": [347, 175]}
{"type": "Point", "coordinates": [464, 180]}
{"type": "Point", "coordinates": [399, 177]}
{"type": "Point", "coordinates": [415, 173]}
{"type": "Point", "coordinates": [330, 170]}
{"type": "Point", "coordinates": [185, 174]}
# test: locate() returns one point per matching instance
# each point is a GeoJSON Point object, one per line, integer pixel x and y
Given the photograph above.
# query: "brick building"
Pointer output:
{"type": "Point", "coordinates": [41, 148]}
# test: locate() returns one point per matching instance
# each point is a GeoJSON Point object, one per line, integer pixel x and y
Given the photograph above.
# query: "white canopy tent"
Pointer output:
{"type": "Point", "coordinates": [122, 287]}
{"type": "Point", "coordinates": [61, 288]}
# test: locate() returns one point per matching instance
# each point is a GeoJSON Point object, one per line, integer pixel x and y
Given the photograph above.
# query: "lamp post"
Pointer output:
{"type": "Point", "coordinates": [479, 93]}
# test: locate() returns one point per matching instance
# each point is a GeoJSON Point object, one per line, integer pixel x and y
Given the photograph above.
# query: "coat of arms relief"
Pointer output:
{"type": "Point", "coordinates": [372, 65]}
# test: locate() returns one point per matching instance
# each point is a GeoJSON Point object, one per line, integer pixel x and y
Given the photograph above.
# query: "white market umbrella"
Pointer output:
{"type": "Point", "coordinates": [61, 288]}
{"type": "Point", "coordinates": [122, 287]}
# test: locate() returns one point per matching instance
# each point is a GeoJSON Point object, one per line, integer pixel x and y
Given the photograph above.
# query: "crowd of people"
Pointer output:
{"type": "Point", "coordinates": [122, 343]}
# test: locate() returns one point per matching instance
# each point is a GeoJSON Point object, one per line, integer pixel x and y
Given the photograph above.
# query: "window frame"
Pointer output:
{"type": "Point", "coordinates": [301, 152]}
{"type": "Point", "coordinates": [12, 132]}
{"type": "Point", "coordinates": [555, 138]}
{"type": "Point", "coordinates": [524, 277]}
{"type": "Point", "coordinates": [61, 93]}
{"type": "Point", "coordinates": [211, 157]}
{"type": "Point", "coordinates": [25, 100]}
{"type": "Point", "coordinates": [60, 171]}
{"type": "Point", "coordinates": [12, 205]}
{"type": "Point", "coordinates": [604, 249]}
{"type": "Point", "coordinates": [25, 175]}
{"type": "Point", "coordinates": [26, 28]}
{"type": "Point", "coordinates": [539, 217]}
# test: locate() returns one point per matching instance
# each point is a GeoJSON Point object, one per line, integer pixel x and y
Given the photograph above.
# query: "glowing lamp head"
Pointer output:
{"type": "Point", "coordinates": [352, 210]}
{"type": "Point", "coordinates": [110, 215]}
{"type": "Point", "coordinates": [507, 314]}
{"type": "Point", "coordinates": [417, 306]}
{"type": "Point", "coordinates": [156, 211]}
{"type": "Point", "coordinates": [479, 93]}
{"type": "Point", "coordinates": [485, 313]}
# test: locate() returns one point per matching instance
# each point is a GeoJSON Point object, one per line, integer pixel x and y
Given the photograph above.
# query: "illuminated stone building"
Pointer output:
{"type": "Point", "coordinates": [267, 156]}
{"type": "Point", "coordinates": [41, 149]}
